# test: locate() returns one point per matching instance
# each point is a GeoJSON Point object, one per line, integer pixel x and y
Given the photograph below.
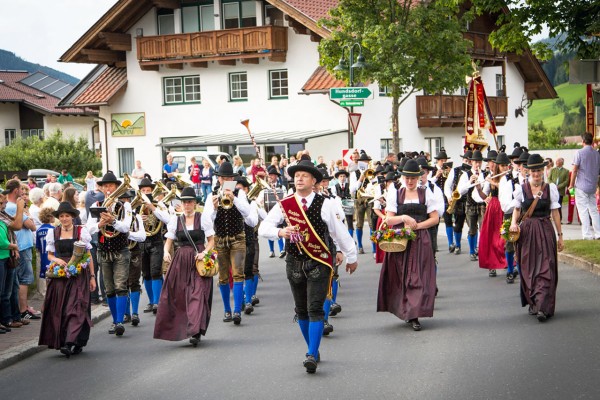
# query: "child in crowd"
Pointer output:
{"type": "Point", "coordinates": [47, 219]}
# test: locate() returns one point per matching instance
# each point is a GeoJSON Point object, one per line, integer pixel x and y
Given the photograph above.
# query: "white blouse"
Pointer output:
{"type": "Point", "coordinates": [84, 236]}
{"type": "Point", "coordinates": [519, 198]}
{"type": "Point", "coordinates": [391, 201]}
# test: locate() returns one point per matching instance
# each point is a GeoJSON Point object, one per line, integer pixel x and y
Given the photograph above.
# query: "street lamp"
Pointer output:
{"type": "Point", "coordinates": [343, 66]}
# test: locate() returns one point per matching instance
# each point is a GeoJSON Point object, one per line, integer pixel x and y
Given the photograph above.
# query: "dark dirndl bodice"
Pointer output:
{"type": "Point", "coordinates": [494, 191]}
{"type": "Point", "coordinates": [542, 208]}
{"type": "Point", "coordinates": [418, 211]}
{"type": "Point", "coordinates": [64, 247]}
{"type": "Point", "coordinates": [197, 234]}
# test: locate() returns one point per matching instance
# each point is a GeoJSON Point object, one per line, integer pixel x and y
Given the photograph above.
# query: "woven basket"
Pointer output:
{"type": "Point", "coordinates": [396, 245]}
{"type": "Point", "coordinates": [514, 236]}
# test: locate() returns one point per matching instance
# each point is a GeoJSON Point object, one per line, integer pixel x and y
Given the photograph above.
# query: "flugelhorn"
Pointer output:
{"type": "Point", "coordinates": [225, 202]}
{"type": "Point", "coordinates": [111, 201]}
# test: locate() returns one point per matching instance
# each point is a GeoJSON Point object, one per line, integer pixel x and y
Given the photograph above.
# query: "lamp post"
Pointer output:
{"type": "Point", "coordinates": [349, 66]}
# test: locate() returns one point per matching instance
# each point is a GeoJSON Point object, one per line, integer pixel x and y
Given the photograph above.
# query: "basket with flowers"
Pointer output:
{"type": "Point", "coordinates": [505, 232]}
{"type": "Point", "coordinates": [71, 270]}
{"type": "Point", "coordinates": [393, 240]}
{"type": "Point", "coordinates": [208, 265]}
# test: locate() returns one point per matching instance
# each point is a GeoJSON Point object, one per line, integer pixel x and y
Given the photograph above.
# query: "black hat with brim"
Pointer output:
{"type": "Point", "coordinates": [188, 193]}
{"type": "Point", "coordinates": [535, 161]}
{"type": "Point", "coordinates": [442, 155]}
{"type": "Point", "coordinates": [412, 168]}
{"type": "Point", "coordinates": [242, 181]}
{"type": "Point", "coordinates": [326, 176]}
{"type": "Point", "coordinates": [306, 166]}
{"type": "Point", "coordinates": [390, 176]}
{"type": "Point", "coordinates": [273, 171]}
{"type": "Point", "coordinates": [522, 158]}
{"type": "Point", "coordinates": [379, 169]}
{"type": "Point", "coordinates": [476, 156]}
{"type": "Point", "coordinates": [502, 159]}
{"type": "Point", "coordinates": [424, 164]}
{"type": "Point", "coordinates": [342, 172]}
{"type": "Point", "coordinates": [226, 170]}
{"type": "Point", "coordinates": [468, 154]}
{"type": "Point", "coordinates": [364, 156]}
{"type": "Point", "coordinates": [145, 182]}
{"type": "Point", "coordinates": [109, 177]}
{"type": "Point", "coordinates": [66, 207]}
{"type": "Point", "coordinates": [516, 153]}
{"type": "Point", "coordinates": [491, 156]}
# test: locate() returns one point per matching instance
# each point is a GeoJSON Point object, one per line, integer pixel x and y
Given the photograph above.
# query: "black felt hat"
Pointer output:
{"type": "Point", "coordinates": [364, 156]}
{"type": "Point", "coordinates": [66, 207]}
{"type": "Point", "coordinates": [523, 157]}
{"type": "Point", "coordinates": [273, 171]}
{"type": "Point", "coordinates": [424, 164]}
{"type": "Point", "coordinates": [476, 156]}
{"type": "Point", "coordinates": [226, 170]}
{"type": "Point", "coordinates": [491, 156]}
{"type": "Point", "coordinates": [379, 170]}
{"type": "Point", "coordinates": [391, 176]}
{"type": "Point", "coordinates": [502, 159]}
{"type": "Point", "coordinates": [188, 193]}
{"type": "Point", "coordinates": [342, 172]}
{"type": "Point", "coordinates": [516, 151]}
{"type": "Point", "coordinates": [535, 161]}
{"type": "Point", "coordinates": [325, 174]}
{"type": "Point", "coordinates": [129, 194]}
{"type": "Point", "coordinates": [146, 182]}
{"type": "Point", "coordinates": [402, 162]}
{"type": "Point", "coordinates": [442, 155]}
{"type": "Point", "coordinates": [306, 166]}
{"type": "Point", "coordinates": [109, 177]}
{"type": "Point", "coordinates": [468, 154]}
{"type": "Point", "coordinates": [412, 168]}
{"type": "Point", "coordinates": [242, 181]}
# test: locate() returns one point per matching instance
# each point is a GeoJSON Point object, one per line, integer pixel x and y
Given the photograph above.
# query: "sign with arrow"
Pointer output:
{"type": "Point", "coordinates": [352, 103]}
{"type": "Point", "coordinates": [350, 93]}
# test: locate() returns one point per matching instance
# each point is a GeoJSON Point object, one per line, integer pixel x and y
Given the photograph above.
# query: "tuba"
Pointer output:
{"type": "Point", "coordinates": [110, 202]}
{"type": "Point", "coordinates": [258, 187]}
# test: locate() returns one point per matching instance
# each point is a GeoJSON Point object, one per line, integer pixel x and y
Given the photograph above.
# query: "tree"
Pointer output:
{"type": "Point", "coordinates": [574, 23]}
{"type": "Point", "coordinates": [408, 47]}
{"type": "Point", "coordinates": [55, 153]}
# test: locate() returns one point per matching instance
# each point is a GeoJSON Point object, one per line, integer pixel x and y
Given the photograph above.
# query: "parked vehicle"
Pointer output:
{"type": "Point", "coordinates": [182, 158]}
{"type": "Point", "coordinates": [39, 176]}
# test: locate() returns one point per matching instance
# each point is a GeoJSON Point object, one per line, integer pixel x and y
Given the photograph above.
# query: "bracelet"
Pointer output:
{"type": "Point", "coordinates": [92, 275]}
{"type": "Point", "coordinates": [560, 234]}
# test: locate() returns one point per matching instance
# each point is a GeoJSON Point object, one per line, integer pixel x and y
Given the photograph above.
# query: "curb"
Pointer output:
{"type": "Point", "coordinates": [27, 349]}
{"type": "Point", "coordinates": [579, 263]}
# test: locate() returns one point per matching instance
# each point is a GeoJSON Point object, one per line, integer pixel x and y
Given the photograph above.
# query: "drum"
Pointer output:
{"type": "Point", "coordinates": [348, 206]}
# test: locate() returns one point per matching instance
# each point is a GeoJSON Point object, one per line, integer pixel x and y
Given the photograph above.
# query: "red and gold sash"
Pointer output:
{"type": "Point", "coordinates": [312, 245]}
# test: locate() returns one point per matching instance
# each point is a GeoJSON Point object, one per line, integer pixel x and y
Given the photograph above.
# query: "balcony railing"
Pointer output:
{"type": "Point", "coordinates": [481, 45]}
{"type": "Point", "coordinates": [227, 44]}
{"type": "Point", "coordinates": [449, 110]}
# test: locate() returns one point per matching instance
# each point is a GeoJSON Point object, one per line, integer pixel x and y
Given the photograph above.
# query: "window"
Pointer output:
{"type": "Point", "coordinates": [273, 16]}
{"type": "Point", "coordinates": [238, 14]}
{"type": "Point", "coordinates": [198, 18]}
{"type": "Point", "coordinates": [279, 84]}
{"type": "Point", "coordinates": [499, 85]}
{"type": "Point", "coordinates": [9, 136]}
{"type": "Point", "coordinates": [238, 86]}
{"type": "Point", "coordinates": [433, 145]}
{"type": "Point", "coordinates": [386, 146]}
{"type": "Point", "coordinates": [166, 22]}
{"type": "Point", "coordinates": [181, 89]}
{"type": "Point", "coordinates": [464, 91]}
{"type": "Point", "coordinates": [383, 91]}
{"type": "Point", "coordinates": [25, 133]}
{"type": "Point", "coordinates": [126, 161]}
{"type": "Point", "coordinates": [500, 139]}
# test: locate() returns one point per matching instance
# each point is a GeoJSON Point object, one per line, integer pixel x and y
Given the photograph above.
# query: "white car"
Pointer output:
{"type": "Point", "coordinates": [182, 158]}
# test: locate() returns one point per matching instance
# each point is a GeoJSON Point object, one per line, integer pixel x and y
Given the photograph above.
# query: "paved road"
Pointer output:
{"type": "Point", "coordinates": [480, 345]}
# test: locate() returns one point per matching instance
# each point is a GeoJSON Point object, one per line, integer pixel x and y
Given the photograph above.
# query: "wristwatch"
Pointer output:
{"type": "Point", "coordinates": [92, 276]}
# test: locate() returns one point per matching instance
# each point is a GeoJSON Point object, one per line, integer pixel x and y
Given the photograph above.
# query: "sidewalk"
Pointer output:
{"type": "Point", "coordinates": [23, 342]}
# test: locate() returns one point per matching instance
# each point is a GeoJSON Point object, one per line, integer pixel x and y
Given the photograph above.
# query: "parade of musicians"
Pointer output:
{"type": "Point", "coordinates": [299, 199]}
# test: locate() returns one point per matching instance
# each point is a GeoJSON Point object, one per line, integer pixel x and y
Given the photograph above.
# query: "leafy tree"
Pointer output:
{"type": "Point", "coordinates": [54, 152]}
{"type": "Point", "coordinates": [408, 47]}
{"type": "Point", "coordinates": [572, 22]}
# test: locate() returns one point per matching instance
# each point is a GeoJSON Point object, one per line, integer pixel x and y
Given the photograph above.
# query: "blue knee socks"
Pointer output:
{"type": "Point", "coordinates": [280, 243]}
{"type": "Point", "coordinates": [315, 332]}
{"type": "Point", "coordinates": [457, 238]}
{"type": "Point", "coordinates": [327, 307]}
{"type": "Point", "coordinates": [510, 262]}
{"type": "Point", "coordinates": [359, 238]}
{"type": "Point", "coordinates": [248, 283]}
{"type": "Point", "coordinates": [272, 246]}
{"type": "Point", "coordinates": [373, 245]}
{"type": "Point", "coordinates": [334, 290]}
{"type": "Point", "coordinates": [238, 296]}
{"type": "Point", "coordinates": [112, 305]}
{"type": "Point", "coordinates": [121, 304]}
{"type": "Point", "coordinates": [255, 285]}
{"type": "Point", "coordinates": [351, 232]}
{"type": "Point", "coordinates": [449, 234]}
{"type": "Point", "coordinates": [472, 239]}
{"type": "Point", "coordinates": [225, 296]}
{"type": "Point", "coordinates": [148, 286]}
{"type": "Point", "coordinates": [127, 307]}
{"type": "Point", "coordinates": [303, 323]}
{"type": "Point", "coordinates": [156, 288]}
{"type": "Point", "coordinates": [135, 302]}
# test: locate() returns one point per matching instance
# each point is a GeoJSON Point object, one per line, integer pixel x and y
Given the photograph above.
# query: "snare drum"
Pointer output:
{"type": "Point", "coordinates": [348, 206]}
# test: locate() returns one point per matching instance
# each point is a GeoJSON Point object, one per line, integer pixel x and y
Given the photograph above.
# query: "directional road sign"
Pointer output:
{"type": "Point", "coordinates": [352, 103]}
{"type": "Point", "coordinates": [350, 93]}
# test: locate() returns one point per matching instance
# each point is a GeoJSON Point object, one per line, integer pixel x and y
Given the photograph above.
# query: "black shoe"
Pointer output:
{"type": "Point", "coordinates": [148, 308]}
{"type": "Point", "coordinates": [248, 308]}
{"type": "Point", "coordinates": [194, 340]}
{"type": "Point", "coordinates": [492, 273]}
{"type": "Point", "coordinates": [335, 309]}
{"type": "Point", "coordinates": [119, 329]}
{"type": "Point", "coordinates": [111, 329]}
{"type": "Point", "coordinates": [361, 251]}
{"type": "Point", "coordinates": [451, 248]}
{"type": "Point", "coordinates": [154, 308]}
{"type": "Point", "coordinates": [255, 300]}
{"type": "Point", "coordinates": [76, 350]}
{"type": "Point", "coordinates": [473, 257]}
{"type": "Point", "coordinates": [135, 320]}
{"type": "Point", "coordinates": [96, 301]}
{"type": "Point", "coordinates": [28, 315]}
{"type": "Point", "coordinates": [237, 318]}
{"type": "Point", "coordinates": [66, 350]}
{"type": "Point", "coordinates": [531, 311]}
{"type": "Point", "coordinates": [510, 278]}
{"type": "Point", "coordinates": [318, 356]}
{"type": "Point", "coordinates": [282, 254]}
{"type": "Point", "coordinates": [457, 251]}
{"type": "Point", "coordinates": [541, 316]}
{"type": "Point", "coordinates": [227, 317]}
{"type": "Point", "coordinates": [271, 255]}
{"type": "Point", "coordinates": [415, 324]}
{"type": "Point", "coordinates": [310, 364]}
{"type": "Point", "coordinates": [327, 328]}
{"type": "Point", "coordinates": [127, 319]}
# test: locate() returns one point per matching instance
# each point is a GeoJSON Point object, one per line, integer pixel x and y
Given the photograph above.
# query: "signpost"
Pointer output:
{"type": "Point", "coordinates": [354, 119]}
{"type": "Point", "coordinates": [351, 97]}
{"type": "Point", "coordinates": [350, 93]}
{"type": "Point", "coordinates": [352, 103]}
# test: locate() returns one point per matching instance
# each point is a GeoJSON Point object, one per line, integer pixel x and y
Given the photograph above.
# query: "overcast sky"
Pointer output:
{"type": "Point", "coordinates": [41, 31]}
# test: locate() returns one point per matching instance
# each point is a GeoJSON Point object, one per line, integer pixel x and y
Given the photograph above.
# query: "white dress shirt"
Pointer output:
{"type": "Point", "coordinates": [506, 194]}
{"type": "Point", "coordinates": [209, 214]}
{"type": "Point", "coordinates": [337, 230]}
{"type": "Point", "coordinates": [121, 226]}
{"type": "Point", "coordinates": [139, 235]}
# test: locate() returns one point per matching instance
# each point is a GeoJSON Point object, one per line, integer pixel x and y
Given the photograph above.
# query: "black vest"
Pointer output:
{"type": "Point", "coordinates": [542, 208]}
{"type": "Point", "coordinates": [320, 227]}
{"type": "Point", "coordinates": [196, 234]}
{"type": "Point", "coordinates": [63, 248]}
{"type": "Point", "coordinates": [228, 222]}
{"type": "Point", "coordinates": [344, 194]}
{"type": "Point", "coordinates": [116, 243]}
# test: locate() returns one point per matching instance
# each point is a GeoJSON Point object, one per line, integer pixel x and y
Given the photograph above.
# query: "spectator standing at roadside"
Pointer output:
{"type": "Point", "coordinates": [170, 168]}
{"type": "Point", "coordinates": [36, 196]}
{"type": "Point", "coordinates": [31, 183]}
{"type": "Point", "coordinates": [586, 168]}
{"type": "Point", "coordinates": [54, 196]}
{"type": "Point", "coordinates": [138, 172]}
{"type": "Point", "coordinates": [547, 169]}
{"type": "Point", "coordinates": [559, 175]}
{"type": "Point", "coordinates": [195, 172]}
{"type": "Point", "coordinates": [47, 219]}
{"type": "Point", "coordinates": [71, 196]}
{"type": "Point", "coordinates": [65, 177]}
{"type": "Point", "coordinates": [206, 179]}
{"type": "Point", "coordinates": [90, 181]}
{"type": "Point", "coordinates": [8, 251]}
{"type": "Point", "coordinates": [258, 171]}
{"type": "Point", "coordinates": [238, 166]}
{"type": "Point", "coordinates": [283, 166]}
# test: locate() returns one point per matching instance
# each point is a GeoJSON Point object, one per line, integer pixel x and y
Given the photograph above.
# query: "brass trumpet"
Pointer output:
{"type": "Point", "coordinates": [111, 201]}
{"type": "Point", "coordinates": [225, 202]}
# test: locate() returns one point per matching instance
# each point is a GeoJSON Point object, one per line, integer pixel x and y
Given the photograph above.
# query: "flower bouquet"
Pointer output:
{"type": "Point", "coordinates": [505, 232]}
{"type": "Point", "coordinates": [76, 265]}
{"type": "Point", "coordinates": [393, 240]}
{"type": "Point", "coordinates": [208, 266]}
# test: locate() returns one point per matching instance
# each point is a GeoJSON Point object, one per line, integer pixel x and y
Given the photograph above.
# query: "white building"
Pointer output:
{"type": "Point", "coordinates": [171, 66]}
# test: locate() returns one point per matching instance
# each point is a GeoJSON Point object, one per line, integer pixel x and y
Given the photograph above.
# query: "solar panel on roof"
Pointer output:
{"type": "Point", "coordinates": [47, 84]}
{"type": "Point", "coordinates": [32, 78]}
{"type": "Point", "coordinates": [62, 92]}
{"type": "Point", "coordinates": [42, 83]}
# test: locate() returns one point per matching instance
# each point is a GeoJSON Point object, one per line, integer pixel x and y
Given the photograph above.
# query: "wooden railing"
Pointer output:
{"type": "Point", "coordinates": [449, 110]}
{"type": "Point", "coordinates": [212, 44]}
{"type": "Point", "coordinates": [481, 45]}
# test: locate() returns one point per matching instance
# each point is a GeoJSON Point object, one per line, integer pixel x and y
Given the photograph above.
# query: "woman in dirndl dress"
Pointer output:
{"type": "Point", "coordinates": [407, 282]}
{"type": "Point", "coordinates": [379, 209]}
{"type": "Point", "coordinates": [66, 320]}
{"type": "Point", "coordinates": [186, 297]}
{"type": "Point", "coordinates": [537, 246]}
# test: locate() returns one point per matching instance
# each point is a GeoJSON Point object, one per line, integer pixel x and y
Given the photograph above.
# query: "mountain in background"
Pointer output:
{"type": "Point", "coordinates": [557, 68]}
{"type": "Point", "coordinates": [10, 61]}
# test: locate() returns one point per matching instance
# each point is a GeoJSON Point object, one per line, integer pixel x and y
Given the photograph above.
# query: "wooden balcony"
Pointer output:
{"type": "Point", "coordinates": [483, 50]}
{"type": "Point", "coordinates": [449, 111]}
{"type": "Point", "coordinates": [225, 46]}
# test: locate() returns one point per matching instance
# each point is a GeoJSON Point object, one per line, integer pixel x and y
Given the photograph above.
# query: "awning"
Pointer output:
{"type": "Point", "coordinates": [244, 139]}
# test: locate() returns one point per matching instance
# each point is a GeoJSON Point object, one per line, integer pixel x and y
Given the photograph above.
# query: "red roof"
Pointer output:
{"type": "Point", "coordinates": [103, 88]}
{"type": "Point", "coordinates": [321, 81]}
{"type": "Point", "coordinates": [315, 9]}
{"type": "Point", "coordinates": [12, 91]}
